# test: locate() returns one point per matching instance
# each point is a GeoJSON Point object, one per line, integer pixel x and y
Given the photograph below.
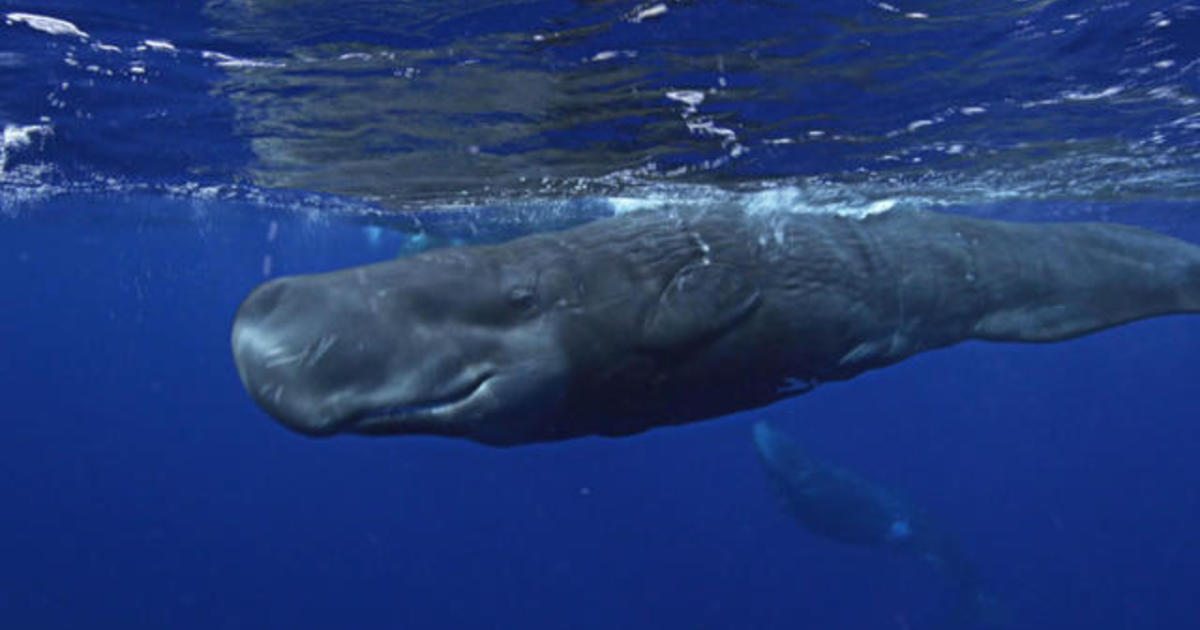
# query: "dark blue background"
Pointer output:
{"type": "Point", "coordinates": [142, 488]}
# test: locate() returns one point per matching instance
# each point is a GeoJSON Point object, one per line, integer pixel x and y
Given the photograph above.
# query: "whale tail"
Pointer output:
{"type": "Point", "coordinates": [969, 606]}
{"type": "Point", "coordinates": [1070, 279]}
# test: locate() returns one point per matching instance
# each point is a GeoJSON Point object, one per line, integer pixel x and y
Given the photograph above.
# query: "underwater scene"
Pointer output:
{"type": "Point", "coordinates": [599, 313]}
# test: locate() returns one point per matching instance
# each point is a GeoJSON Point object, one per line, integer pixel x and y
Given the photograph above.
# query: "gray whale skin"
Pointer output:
{"type": "Point", "coordinates": [665, 317]}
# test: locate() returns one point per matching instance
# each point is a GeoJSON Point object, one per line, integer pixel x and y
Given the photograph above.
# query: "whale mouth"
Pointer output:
{"type": "Point", "coordinates": [433, 415]}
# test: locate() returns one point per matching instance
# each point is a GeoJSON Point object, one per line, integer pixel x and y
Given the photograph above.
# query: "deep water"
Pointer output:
{"type": "Point", "coordinates": [141, 488]}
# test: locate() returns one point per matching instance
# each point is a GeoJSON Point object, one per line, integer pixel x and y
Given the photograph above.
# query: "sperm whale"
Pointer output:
{"type": "Point", "coordinates": [670, 316]}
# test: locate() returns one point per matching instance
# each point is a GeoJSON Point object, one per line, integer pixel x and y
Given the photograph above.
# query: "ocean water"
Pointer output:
{"type": "Point", "coordinates": [159, 160]}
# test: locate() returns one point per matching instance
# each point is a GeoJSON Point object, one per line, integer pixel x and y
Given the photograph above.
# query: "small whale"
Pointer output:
{"type": "Point", "coordinates": [670, 316]}
{"type": "Point", "coordinates": [838, 505]}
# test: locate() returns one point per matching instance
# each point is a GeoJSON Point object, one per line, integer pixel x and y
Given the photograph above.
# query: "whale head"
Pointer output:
{"type": "Point", "coordinates": [444, 343]}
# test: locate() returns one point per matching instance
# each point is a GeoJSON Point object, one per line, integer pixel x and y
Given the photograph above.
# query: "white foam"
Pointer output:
{"type": "Point", "coordinates": [626, 205]}
{"type": "Point", "coordinates": [609, 55]}
{"type": "Point", "coordinates": [1093, 96]}
{"type": "Point", "coordinates": [917, 124]}
{"type": "Point", "coordinates": [691, 98]}
{"type": "Point", "coordinates": [811, 197]}
{"type": "Point", "coordinates": [229, 61]}
{"type": "Point", "coordinates": [706, 127]}
{"type": "Point", "coordinates": [799, 200]}
{"type": "Point", "coordinates": [159, 44]}
{"type": "Point", "coordinates": [876, 207]}
{"type": "Point", "coordinates": [46, 24]}
{"type": "Point", "coordinates": [18, 136]}
{"type": "Point", "coordinates": [645, 13]}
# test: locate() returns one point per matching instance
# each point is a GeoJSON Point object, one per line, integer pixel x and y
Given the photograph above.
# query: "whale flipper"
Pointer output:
{"type": "Point", "coordinates": [702, 300]}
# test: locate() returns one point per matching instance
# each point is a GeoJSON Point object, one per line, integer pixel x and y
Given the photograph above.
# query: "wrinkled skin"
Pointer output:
{"type": "Point", "coordinates": [437, 345]}
{"type": "Point", "coordinates": [660, 318]}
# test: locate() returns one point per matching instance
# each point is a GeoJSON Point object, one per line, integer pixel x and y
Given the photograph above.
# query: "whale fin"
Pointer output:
{"type": "Point", "coordinates": [700, 302]}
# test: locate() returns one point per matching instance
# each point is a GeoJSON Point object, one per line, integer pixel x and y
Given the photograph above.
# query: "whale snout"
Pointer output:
{"type": "Point", "coordinates": [275, 359]}
{"type": "Point", "coordinates": [313, 353]}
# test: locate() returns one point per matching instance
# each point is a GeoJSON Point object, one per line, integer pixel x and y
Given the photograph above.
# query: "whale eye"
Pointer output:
{"type": "Point", "coordinates": [522, 298]}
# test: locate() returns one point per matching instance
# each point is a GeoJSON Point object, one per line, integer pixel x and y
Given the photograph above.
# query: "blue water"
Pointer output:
{"type": "Point", "coordinates": [160, 160]}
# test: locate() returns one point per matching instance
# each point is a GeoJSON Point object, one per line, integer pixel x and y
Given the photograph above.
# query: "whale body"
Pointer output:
{"type": "Point", "coordinates": [671, 316]}
{"type": "Point", "coordinates": [839, 505]}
